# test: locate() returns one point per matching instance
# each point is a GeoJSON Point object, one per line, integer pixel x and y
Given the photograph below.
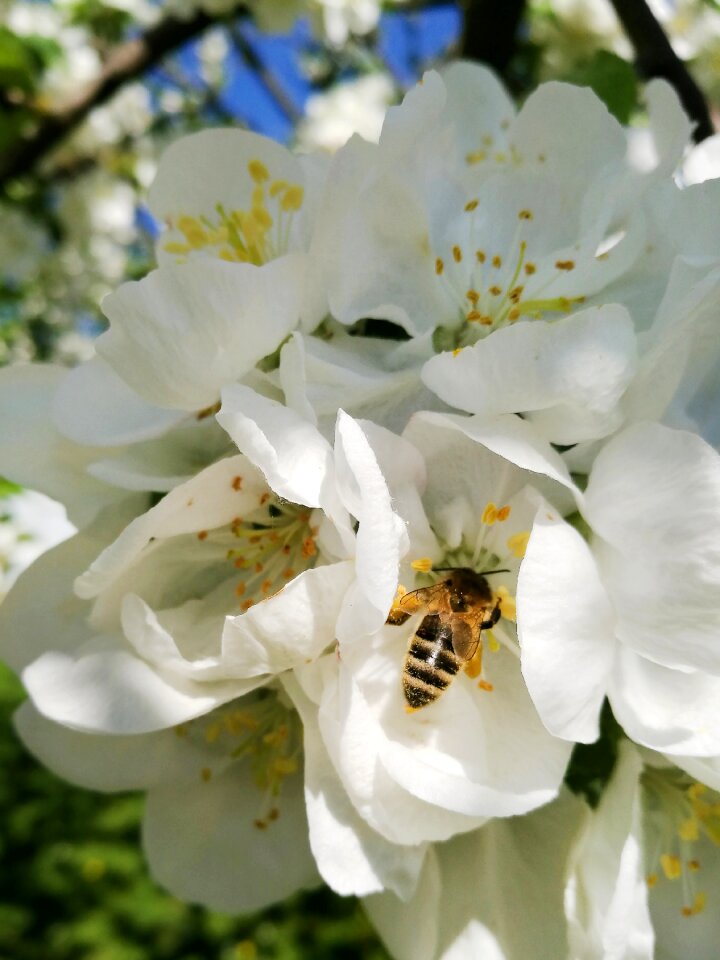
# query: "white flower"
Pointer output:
{"type": "Point", "coordinates": [255, 202]}
{"type": "Point", "coordinates": [634, 614]}
{"type": "Point", "coordinates": [473, 753]}
{"type": "Point", "coordinates": [30, 524]}
{"type": "Point", "coordinates": [231, 579]}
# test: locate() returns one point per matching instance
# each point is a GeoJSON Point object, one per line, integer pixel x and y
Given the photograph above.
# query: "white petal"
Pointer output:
{"type": "Point", "coordinates": [565, 628]}
{"type": "Point", "coordinates": [35, 454]}
{"type": "Point", "coordinates": [103, 688]}
{"type": "Point", "coordinates": [381, 538]}
{"type": "Point", "coordinates": [606, 897]}
{"type": "Point", "coordinates": [288, 449]}
{"type": "Point", "coordinates": [654, 496]}
{"type": "Point", "coordinates": [40, 612]}
{"type": "Point", "coordinates": [106, 762]}
{"type": "Point", "coordinates": [506, 436]}
{"type": "Point", "coordinates": [94, 406]}
{"type": "Point", "coordinates": [202, 843]}
{"type": "Point", "coordinates": [670, 126]}
{"type": "Point", "coordinates": [584, 361]}
{"type": "Point", "coordinates": [291, 628]}
{"type": "Point", "coordinates": [352, 858]}
{"type": "Point", "coordinates": [210, 499]}
{"type": "Point", "coordinates": [667, 710]}
{"type": "Point", "coordinates": [179, 335]}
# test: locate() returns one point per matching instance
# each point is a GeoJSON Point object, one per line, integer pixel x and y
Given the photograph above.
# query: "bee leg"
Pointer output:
{"type": "Point", "coordinates": [492, 619]}
{"type": "Point", "coordinates": [404, 606]}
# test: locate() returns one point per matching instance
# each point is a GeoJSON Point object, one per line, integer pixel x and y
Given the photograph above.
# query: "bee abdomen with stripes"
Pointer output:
{"type": "Point", "coordinates": [431, 664]}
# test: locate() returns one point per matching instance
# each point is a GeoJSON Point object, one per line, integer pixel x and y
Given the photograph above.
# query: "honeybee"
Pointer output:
{"type": "Point", "coordinates": [459, 608]}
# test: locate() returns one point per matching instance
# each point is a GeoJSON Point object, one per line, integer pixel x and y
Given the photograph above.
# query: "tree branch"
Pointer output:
{"type": "Point", "coordinates": [126, 62]}
{"type": "Point", "coordinates": [655, 57]}
{"type": "Point", "coordinates": [491, 28]}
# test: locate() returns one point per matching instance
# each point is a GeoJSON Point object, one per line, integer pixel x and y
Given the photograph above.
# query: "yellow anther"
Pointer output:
{"type": "Point", "coordinates": [529, 268]}
{"type": "Point", "coordinates": [671, 865]}
{"type": "Point", "coordinates": [422, 565]}
{"type": "Point", "coordinates": [262, 218]}
{"type": "Point", "coordinates": [471, 205]}
{"type": "Point", "coordinates": [179, 248]}
{"type": "Point", "coordinates": [487, 140]}
{"type": "Point", "coordinates": [212, 732]}
{"type": "Point", "coordinates": [495, 290]}
{"type": "Point", "coordinates": [205, 774]}
{"type": "Point", "coordinates": [697, 907]}
{"type": "Point", "coordinates": [480, 256]}
{"type": "Point", "coordinates": [457, 351]}
{"type": "Point", "coordinates": [693, 865]}
{"type": "Point", "coordinates": [439, 265]}
{"type": "Point", "coordinates": [292, 198]}
{"type": "Point", "coordinates": [565, 264]}
{"type": "Point", "coordinates": [501, 157]}
{"type": "Point", "coordinates": [497, 260]}
{"type": "Point", "coordinates": [503, 512]}
{"type": "Point", "coordinates": [457, 253]}
{"type": "Point", "coordinates": [474, 316]}
{"type": "Point", "coordinates": [473, 296]}
{"type": "Point", "coordinates": [277, 187]}
{"type": "Point", "coordinates": [484, 685]}
{"type": "Point", "coordinates": [513, 314]}
{"type": "Point", "coordinates": [525, 215]}
{"type": "Point", "coordinates": [258, 171]}
{"type": "Point", "coordinates": [651, 880]}
{"type": "Point", "coordinates": [308, 547]}
{"type": "Point", "coordinates": [517, 544]}
{"type": "Point", "coordinates": [246, 604]}
{"type": "Point", "coordinates": [507, 603]}
{"type": "Point", "coordinates": [689, 829]}
{"type": "Point", "coordinates": [490, 514]}
{"type": "Point", "coordinates": [477, 156]}
{"type": "Point", "coordinates": [240, 588]}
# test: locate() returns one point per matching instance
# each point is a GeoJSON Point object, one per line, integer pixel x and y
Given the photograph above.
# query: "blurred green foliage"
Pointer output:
{"type": "Point", "coordinates": [74, 885]}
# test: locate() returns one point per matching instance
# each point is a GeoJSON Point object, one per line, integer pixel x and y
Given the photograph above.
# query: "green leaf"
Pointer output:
{"type": "Point", "coordinates": [612, 79]}
{"type": "Point", "coordinates": [7, 487]}
{"type": "Point", "coordinates": [20, 68]}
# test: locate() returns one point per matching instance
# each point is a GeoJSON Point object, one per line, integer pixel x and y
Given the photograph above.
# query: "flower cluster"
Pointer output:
{"type": "Point", "coordinates": [398, 512]}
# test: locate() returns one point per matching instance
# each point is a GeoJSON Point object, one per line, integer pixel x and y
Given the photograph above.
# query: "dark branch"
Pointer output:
{"type": "Point", "coordinates": [126, 62]}
{"type": "Point", "coordinates": [490, 33]}
{"type": "Point", "coordinates": [655, 57]}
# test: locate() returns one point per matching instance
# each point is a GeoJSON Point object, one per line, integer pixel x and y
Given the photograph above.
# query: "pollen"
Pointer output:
{"type": "Point", "coordinates": [258, 171]}
{"type": "Point", "coordinates": [672, 868]}
{"type": "Point", "coordinates": [292, 198]}
{"type": "Point", "coordinates": [517, 543]}
{"type": "Point", "coordinates": [490, 514]}
{"type": "Point", "coordinates": [422, 565]}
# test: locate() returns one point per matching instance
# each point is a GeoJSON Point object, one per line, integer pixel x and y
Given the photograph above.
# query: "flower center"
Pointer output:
{"type": "Point", "coordinates": [261, 729]}
{"type": "Point", "coordinates": [679, 813]}
{"type": "Point", "coordinates": [267, 547]}
{"type": "Point", "coordinates": [494, 288]}
{"type": "Point", "coordinates": [256, 235]}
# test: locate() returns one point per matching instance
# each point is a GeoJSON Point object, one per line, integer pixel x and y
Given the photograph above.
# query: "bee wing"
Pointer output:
{"type": "Point", "coordinates": [465, 638]}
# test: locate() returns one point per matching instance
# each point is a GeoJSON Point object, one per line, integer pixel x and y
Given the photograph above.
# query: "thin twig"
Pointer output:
{"type": "Point", "coordinates": [655, 57]}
